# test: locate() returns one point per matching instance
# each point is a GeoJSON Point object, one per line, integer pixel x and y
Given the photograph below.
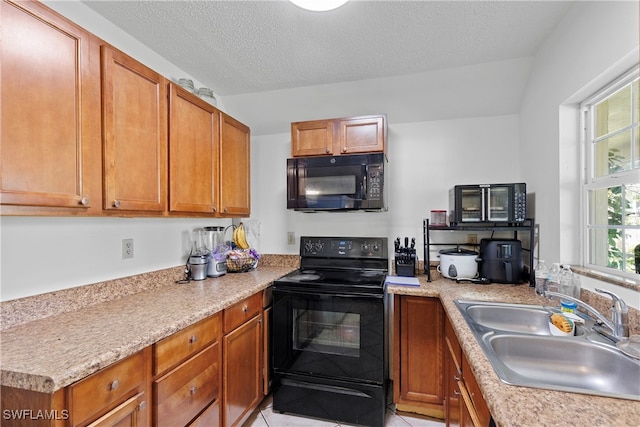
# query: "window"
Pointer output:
{"type": "Point", "coordinates": [612, 183]}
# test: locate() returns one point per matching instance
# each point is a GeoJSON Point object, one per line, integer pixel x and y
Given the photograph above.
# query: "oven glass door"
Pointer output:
{"type": "Point", "coordinates": [471, 204]}
{"type": "Point", "coordinates": [499, 206]}
{"type": "Point", "coordinates": [338, 336]}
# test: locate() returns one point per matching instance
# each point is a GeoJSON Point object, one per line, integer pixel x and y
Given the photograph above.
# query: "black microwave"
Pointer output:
{"type": "Point", "coordinates": [326, 183]}
{"type": "Point", "coordinates": [488, 203]}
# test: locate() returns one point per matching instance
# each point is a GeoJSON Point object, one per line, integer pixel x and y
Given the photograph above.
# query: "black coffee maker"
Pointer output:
{"type": "Point", "coordinates": [500, 260]}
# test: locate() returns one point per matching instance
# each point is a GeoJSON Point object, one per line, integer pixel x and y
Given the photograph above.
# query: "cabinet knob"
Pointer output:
{"type": "Point", "coordinates": [226, 210]}
{"type": "Point", "coordinates": [327, 151]}
{"type": "Point", "coordinates": [193, 339]}
{"type": "Point", "coordinates": [114, 384]}
{"type": "Point", "coordinates": [193, 390]}
{"type": "Point", "coordinates": [142, 405]}
{"type": "Point", "coordinates": [215, 209]}
{"type": "Point", "coordinates": [116, 203]}
{"type": "Point", "coordinates": [344, 149]}
{"type": "Point", "coordinates": [456, 393]}
{"type": "Point", "coordinates": [84, 201]}
{"type": "Point", "coordinates": [245, 308]}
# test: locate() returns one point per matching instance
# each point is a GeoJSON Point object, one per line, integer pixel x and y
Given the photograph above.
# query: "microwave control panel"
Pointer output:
{"type": "Point", "coordinates": [374, 186]}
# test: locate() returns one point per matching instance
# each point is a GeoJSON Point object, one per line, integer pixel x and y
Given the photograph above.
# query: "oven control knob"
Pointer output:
{"type": "Point", "coordinates": [376, 248]}
{"type": "Point", "coordinates": [319, 246]}
{"type": "Point", "coordinates": [365, 248]}
{"type": "Point", "coordinates": [308, 247]}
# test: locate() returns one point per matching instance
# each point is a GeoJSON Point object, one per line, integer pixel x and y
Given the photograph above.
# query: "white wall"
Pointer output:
{"type": "Point", "coordinates": [425, 160]}
{"type": "Point", "coordinates": [427, 155]}
{"type": "Point", "coordinates": [593, 44]}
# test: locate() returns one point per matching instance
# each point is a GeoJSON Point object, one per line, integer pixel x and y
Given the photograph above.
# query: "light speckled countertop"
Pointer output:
{"type": "Point", "coordinates": [50, 353]}
{"type": "Point", "coordinates": [88, 328]}
{"type": "Point", "coordinates": [513, 405]}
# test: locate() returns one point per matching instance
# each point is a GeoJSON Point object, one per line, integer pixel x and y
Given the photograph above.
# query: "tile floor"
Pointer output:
{"type": "Point", "coordinates": [265, 416]}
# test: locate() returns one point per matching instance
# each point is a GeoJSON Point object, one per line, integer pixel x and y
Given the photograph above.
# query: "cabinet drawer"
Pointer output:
{"type": "Point", "coordinates": [210, 417]}
{"type": "Point", "coordinates": [185, 391]}
{"type": "Point", "coordinates": [242, 311]}
{"type": "Point", "coordinates": [101, 390]}
{"type": "Point", "coordinates": [177, 347]}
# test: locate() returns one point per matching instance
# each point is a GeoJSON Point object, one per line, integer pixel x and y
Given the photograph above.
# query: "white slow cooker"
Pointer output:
{"type": "Point", "coordinates": [458, 263]}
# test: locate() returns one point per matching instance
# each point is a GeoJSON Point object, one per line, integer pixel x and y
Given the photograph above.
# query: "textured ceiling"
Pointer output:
{"type": "Point", "coordinates": [239, 47]}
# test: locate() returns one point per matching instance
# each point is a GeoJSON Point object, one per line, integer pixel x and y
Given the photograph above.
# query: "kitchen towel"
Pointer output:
{"type": "Point", "coordinates": [402, 281]}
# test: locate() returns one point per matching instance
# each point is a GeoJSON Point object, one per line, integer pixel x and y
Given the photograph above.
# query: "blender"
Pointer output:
{"type": "Point", "coordinates": [214, 243]}
{"type": "Point", "coordinates": [199, 257]}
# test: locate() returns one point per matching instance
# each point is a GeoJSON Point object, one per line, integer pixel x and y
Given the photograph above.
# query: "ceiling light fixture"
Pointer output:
{"type": "Point", "coordinates": [319, 5]}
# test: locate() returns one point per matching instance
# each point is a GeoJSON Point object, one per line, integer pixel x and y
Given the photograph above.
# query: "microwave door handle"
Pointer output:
{"type": "Point", "coordinates": [363, 186]}
{"type": "Point", "coordinates": [483, 210]}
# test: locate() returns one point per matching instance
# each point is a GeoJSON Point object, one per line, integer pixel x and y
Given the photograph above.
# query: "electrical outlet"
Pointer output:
{"type": "Point", "coordinates": [127, 248]}
{"type": "Point", "coordinates": [291, 237]}
{"type": "Point", "coordinates": [472, 238]}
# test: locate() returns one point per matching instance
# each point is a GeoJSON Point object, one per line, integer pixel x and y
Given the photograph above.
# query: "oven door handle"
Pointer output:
{"type": "Point", "coordinates": [324, 294]}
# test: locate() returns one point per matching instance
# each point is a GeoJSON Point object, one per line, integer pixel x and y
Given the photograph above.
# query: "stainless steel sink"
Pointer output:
{"type": "Point", "coordinates": [525, 319]}
{"type": "Point", "coordinates": [518, 344]}
{"type": "Point", "coordinates": [564, 364]}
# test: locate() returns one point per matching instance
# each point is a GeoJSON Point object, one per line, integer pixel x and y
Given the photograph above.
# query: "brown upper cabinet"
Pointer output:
{"type": "Point", "coordinates": [50, 129]}
{"type": "Point", "coordinates": [235, 183]}
{"type": "Point", "coordinates": [351, 135]}
{"type": "Point", "coordinates": [86, 130]}
{"type": "Point", "coordinates": [194, 147]}
{"type": "Point", "coordinates": [134, 120]}
{"type": "Point", "coordinates": [208, 158]}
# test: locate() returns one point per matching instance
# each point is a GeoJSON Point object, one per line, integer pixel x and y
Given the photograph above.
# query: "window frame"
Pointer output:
{"type": "Point", "coordinates": [589, 180]}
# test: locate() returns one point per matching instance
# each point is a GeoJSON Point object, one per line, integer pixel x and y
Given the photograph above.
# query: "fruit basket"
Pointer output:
{"type": "Point", "coordinates": [242, 260]}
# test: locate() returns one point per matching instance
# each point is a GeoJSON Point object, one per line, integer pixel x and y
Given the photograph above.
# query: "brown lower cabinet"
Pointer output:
{"type": "Point", "coordinates": [431, 373]}
{"type": "Point", "coordinates": [187, 365]}
{"type": "Point", "coordinates": [465, 405]}
{"type": "Point", "coordinates": [243, 360]}
{"type": "Point", "coordinates": [209, 374]}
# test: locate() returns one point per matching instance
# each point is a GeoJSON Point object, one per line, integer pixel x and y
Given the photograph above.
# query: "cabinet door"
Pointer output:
{"type": "Point", "coordinates": [418, 355]}
{"type": "Point", "coordinates": [50, 128]}
{"type": "Point", "coordinates": [361, 135]}
{"type": "Point", "coordinates": [91, 398]}
{"type": "Point", "coordinates": [235, 184]}
{"type": "Point", "coordinates": [313, 138]}
{"type": "Point", "coordinates": [131, 413]}
{"type": "Point", "coordinates": [452, 374]}
{"type": "Point", "coordinates": [242, 378]}
{"type": "Point", "coordinates": [478, 406]}
{"type": "Point", "coordinates": [193, 153]}
{"type": "Point", "coordinates": [134, 109]}
{"type": "Point", "coordinates": [184, 392]}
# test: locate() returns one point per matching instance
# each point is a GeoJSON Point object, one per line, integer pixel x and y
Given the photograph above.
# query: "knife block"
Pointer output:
{"type": "Point", "coordinates": [405, 264]}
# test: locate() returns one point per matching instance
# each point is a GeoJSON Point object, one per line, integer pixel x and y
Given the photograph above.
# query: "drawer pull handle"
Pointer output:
{"type": "Point", "coordinates": [193, 339]}
{"type": "Point", "coordinates": [114, 385]}
{"type": "Point", "coordinates": [193, 390]}
{"type": "Point", "coordinates": [456, 378]}
{"type": "Point", "coordinates": [456, 393]}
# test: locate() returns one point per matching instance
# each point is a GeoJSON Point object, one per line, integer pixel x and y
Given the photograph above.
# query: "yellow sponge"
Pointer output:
{"type": "Point", "coordinates": [561, 322]}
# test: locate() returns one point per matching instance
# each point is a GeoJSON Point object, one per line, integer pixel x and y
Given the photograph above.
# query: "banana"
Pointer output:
{"type": "Point", "coordinates": [239, 237]}
{"type": "Point", "coordinates": [242, 237]}
{"type": "Point", "coordinates": [235, 237]}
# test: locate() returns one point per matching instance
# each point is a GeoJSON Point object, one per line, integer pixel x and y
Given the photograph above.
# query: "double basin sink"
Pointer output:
{"type": "Point", "coordinates": [519, 345]}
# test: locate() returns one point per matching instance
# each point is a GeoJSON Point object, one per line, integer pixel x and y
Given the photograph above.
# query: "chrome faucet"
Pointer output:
{"type": "Point", "coordinates": [619, 324]}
